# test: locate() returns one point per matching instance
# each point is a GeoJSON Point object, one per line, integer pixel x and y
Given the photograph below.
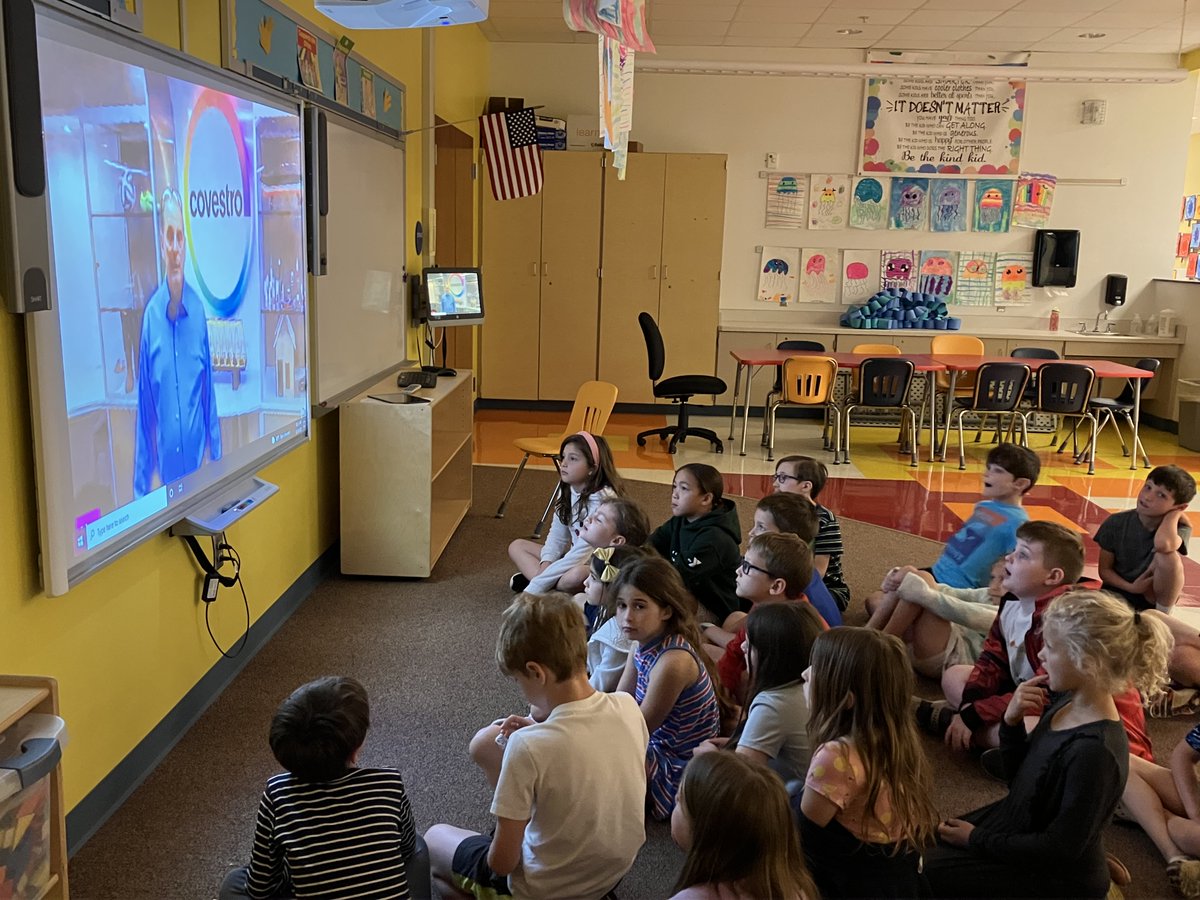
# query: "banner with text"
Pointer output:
{"type": "Point", "coordinates": [946, 125]}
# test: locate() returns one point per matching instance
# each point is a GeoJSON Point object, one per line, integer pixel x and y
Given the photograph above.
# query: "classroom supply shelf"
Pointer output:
{"type": "Point", "coordinates": [405, 477]}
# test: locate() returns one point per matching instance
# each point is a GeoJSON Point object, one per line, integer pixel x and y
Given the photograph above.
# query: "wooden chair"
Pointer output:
{"type": "Point", "coordinates": [807, 381]}
{"type": "Point", "coordinates": [998, 389]}
{"type": "Point", "coordinates": [593, 405]}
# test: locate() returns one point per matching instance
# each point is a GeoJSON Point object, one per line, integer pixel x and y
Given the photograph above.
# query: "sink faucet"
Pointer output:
{"type": "Point", "coordinates": [1103, 314]}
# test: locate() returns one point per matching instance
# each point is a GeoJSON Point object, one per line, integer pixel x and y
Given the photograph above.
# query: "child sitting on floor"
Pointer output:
{"type": "Point", "coordinates": [806, 476]}
{"type": "Point", "coordinates": [781, 513]}
{"type": "Point", "coordinates": [570, 789]}
{"type": "Point", "coordinates": [1045, 838]}
{"type": "Point", "coordinates": [608, 647]}
{"type": "Point", "coordinates": [1142, 549]}
{"type": "Point", "coordinates": [588, 478]}
{"type": "Point", "coordinates": [987, 535]}
{"type": "Point", "coordinates": [326, 826]}
{"type": "Point", "coordinates": [701, 538]}
{"type": "Point", "coordinates": [617, 522]}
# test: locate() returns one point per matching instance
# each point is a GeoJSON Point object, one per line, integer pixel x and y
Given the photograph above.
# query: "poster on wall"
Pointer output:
{"type": "Point", "coordinates": [975, 276]}
{"type": "Point", "coordinates": [949, 125]}
{"type": "Point", "coordinates": [829, 201]}
{"type": "Point", "coordinates": [948, 204]}
{"type": "Point", "coordinates": [992, 210]}
{"type": "Point", "coordinates": [368, 93]}
{"type": "Point", "coordinates": [819, 281]}
{"type": "Point", "coordinates": [306, 59]}
{"type": "Point", "coordinates": [898, 269]}
{"type": "Point", "coordinates": [937, 273]}
{"type": "Point", "coordinates": [869, 202]}
{"type": "Point", "coordinates": [909, 208]}
{"type": "Point", "coordinates": [860, 275]}
{"type": "Point", "coordinates": [787, 196]}
{"type": "Point", "coordinates": [1012, 279]}
{"type": "Point", "coordinates": [777, 275]}
{"type": "Point", "coordinates": [1033, 199]}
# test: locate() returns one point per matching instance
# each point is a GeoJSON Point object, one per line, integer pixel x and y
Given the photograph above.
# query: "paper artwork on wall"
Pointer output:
{"type": "Point", "coordinates": [306, 59]}
{"type": "Point", "coordinates": [1033, 200]}
{"type": "Point", "coordinates": [1189, 206]}
{"type": "Point", "coordinates": [1012, 280]}
{"type": "Point", "coordinates": [948, 204]}
{"type": "Point", "coordinates": [992, 206]}
{"type": "Point", "coordinates": [973, 284]}
{"type": "Point", "coordinates": [898, 269]}
{"type": "Point", "coordinates": [868, 202]}
{"type": "Point", "coordinates": [778, 275]}
{"type": "Point", "coordinates": [1191, 264]}
{"type": "Point", "coordinates": [937, 273]}
{"type": "Point", "coordinates": [828, 201]}
{"type": "Point", "coordinates": [1183, 245]}
{"type": "Point", "coordinates": [908, 209]}
{"type": "Point", "coordinates": [787, 195]}
{"type": "Point", "coordinates": [367, 79]}
{"type": "Point", "coordinates": [1194, 244]}
{"type": "Point", "coordinates": [860, 275]}
{"type": "Point", "coordinates": [819, 278]}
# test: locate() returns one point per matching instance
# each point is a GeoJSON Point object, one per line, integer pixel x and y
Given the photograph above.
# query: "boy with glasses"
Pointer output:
{"type": "Point", "coordinates": [806, 476]}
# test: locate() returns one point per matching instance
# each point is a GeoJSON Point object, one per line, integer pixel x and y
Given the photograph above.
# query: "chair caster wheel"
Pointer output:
{"type": "Point", "coordinates": [720, 449]}
{"type": "Point", "coordinates": [671, 449]}
{"type": "Point", "coordinates": [641, 442]}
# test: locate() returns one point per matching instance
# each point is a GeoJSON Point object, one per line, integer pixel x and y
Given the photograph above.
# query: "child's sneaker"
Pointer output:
{"type": "Point", "coordinates": [518, 582]}
{"type": "Point", "coordinates": [933, 716]}
{"type": "Point", "coordinates": [1184, 875]}
{"type": "Point", "coordinates": [1174, 702]}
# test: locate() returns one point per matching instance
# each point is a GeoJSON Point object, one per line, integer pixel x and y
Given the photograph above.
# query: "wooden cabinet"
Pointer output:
{"type": "Point", "coordinates": [541, 261]}
{"type": "Point", "coordinates": [405, 477]}
{"type": "Point", "coordinates": [568, 271]}
{"type": "Point", "coordinates": [663, 234]}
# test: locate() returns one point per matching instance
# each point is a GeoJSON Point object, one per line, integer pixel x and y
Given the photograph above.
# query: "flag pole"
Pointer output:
{"type": "Point", "coordinates": [472, 119]}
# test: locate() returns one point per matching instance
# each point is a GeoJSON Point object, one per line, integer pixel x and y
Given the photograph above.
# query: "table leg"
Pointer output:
{"type": "Point", "coordinates": [932, 391]}
{"type": "Point", "coordinates": [751, 371]}
{"type": "Point", "coordinates": [737, 383]}
{"type": "Point", "coordinates": [1137, 418]}
{"type": "Point", "coordinates": [949, 407]}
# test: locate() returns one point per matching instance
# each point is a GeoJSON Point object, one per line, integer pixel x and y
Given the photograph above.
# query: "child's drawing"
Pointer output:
{"type": "Point", "coordinates": [1033, 200]}
{"type": "Point", "coordinates": [786, 195]}
{"type": "Point", "coordinates": [868, 202]}
{"type": "Point", "coordinates": [819, 281]}
{"type": "Point", "coordinates": [948, 204]}
{"type": "Point", "coordinates": [993, 205]}
{"type": "Point", "coordinates": [1013, 279]}
{"type": "Point", "coordinates": [860, 275]}
{"type": "Point", "coordinates": [973, 286]}
{"type": "Point", "coordinates": [909, 207]}
{"type": "Point", "coordinates": [828, 201]}
{"type": "Point", "coordinates": [938, 273]}
{"type": "Point", "coordinates": [898, 269]}
{"type": "Point", "coordinates": [777, 276]}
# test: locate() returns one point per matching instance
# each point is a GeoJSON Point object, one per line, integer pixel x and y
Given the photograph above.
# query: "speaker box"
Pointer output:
{"type": "Point", "coordinates": [1055, 258]}
{"type": "Point", "coordinates": [1115, 287]}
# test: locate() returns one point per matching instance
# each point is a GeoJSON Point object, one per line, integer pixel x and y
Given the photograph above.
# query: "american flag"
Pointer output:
{"type": "Point", "coordinates": [514, 159]}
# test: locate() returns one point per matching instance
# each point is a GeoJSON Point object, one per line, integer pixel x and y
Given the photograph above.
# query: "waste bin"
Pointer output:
{"type": "Point", "coordinates": [1189, 413]}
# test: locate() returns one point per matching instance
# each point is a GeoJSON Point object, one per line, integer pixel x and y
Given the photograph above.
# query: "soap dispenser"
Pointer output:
{"type": "Point", "coordinates": [1135, 325]}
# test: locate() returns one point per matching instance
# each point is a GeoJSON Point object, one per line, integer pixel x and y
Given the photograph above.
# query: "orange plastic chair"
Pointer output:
{"type": "Point", "coordinates": [807, 381]}
{"type": "Point", "coordinates": [964, 384]}
{"type": "Point", "coordinates": [593, 405]}
{"type": "Point", "coordinates": [877, 349]}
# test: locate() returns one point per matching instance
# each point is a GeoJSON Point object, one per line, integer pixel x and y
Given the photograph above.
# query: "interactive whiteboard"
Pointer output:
{"type": "Point", "coordinates": [360, 311]}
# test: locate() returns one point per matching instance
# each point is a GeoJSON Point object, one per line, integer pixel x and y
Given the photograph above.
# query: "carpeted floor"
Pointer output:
{"type": "Point", "coordinates": [424, 649]}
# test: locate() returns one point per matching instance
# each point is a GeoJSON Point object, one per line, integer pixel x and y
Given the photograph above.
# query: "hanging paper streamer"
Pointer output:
{"type": "Point", "coordinates": [819, 281]}
{"type": "Point", "coordinates": [993, 205]}
{"type": "Point", "coordinates": [973, 286]}
{"type": "Point", "coordinates": [1013, 286]}
{"type": "Point", "coordinates": [909, 210]}
{"type": "Point", "coordinates": [1033, 200]}
{"type": "Point", "coordinates": [948, 205]}
{"type": "Point", "coordinates": [787, 196]}
{"type": "Point", "coordinates": [828, 201]}
{"type": "Point", "coordinates": [869, 203]}
{"type": "Point", "coordinates": [616, 99]}
{"type": "Point", "coordinates": [898, 269]}
{"type": "Point", "coordinates": [860, 275]}
{"type": "Point", "coordinates": [777, 275]}
{"type": "Point", "coordinates": [622, 20]}
{"type": "Point", "coordinates": [937, 274]}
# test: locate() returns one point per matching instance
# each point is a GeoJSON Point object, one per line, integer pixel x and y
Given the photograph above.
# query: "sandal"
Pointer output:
{"type": "Point", "coordinates": [1117, 871]}
{"type": "Point", "coordinates": [1183, 873]}
{"type": "Point", "coordinates": [1174, 702]}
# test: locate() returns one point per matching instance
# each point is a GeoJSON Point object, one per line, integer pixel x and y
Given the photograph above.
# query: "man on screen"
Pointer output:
{"type": "Point", "coordinates": [177, 423]}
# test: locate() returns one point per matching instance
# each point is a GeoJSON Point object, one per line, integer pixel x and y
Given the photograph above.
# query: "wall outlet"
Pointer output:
{"type": "Point", "coordinates": [772, 161]}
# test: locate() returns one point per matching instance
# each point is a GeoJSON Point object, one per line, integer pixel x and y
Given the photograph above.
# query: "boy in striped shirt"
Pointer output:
{"type": "Point", "coordinates": [327, 828]}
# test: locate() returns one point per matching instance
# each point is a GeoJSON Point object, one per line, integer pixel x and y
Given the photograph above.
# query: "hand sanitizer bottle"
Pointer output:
{"type": "Point", "coordinates": [1152, 324]}
{"type": "Point", "coordinates": [1135, 326]}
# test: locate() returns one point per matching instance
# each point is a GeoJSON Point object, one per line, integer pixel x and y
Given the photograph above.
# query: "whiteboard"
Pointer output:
{"type": "Point", "coordinates": [360, 303]}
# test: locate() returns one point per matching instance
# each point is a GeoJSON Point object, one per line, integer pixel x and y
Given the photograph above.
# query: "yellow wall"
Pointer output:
{"type": "Point", "coordinates": [127, 644]}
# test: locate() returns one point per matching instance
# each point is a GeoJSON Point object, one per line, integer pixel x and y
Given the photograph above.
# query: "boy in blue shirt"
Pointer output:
{"type": "Point", "coordinates": [989, 534]}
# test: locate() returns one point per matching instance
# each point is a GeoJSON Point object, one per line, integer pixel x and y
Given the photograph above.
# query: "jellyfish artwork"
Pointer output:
{"type": "Point", "coordinates": [1012, 283]}
{"type": "Point", "coordinates": [974, 282]}
{"type": "Point", "coordinates": [909, 214]}
{"type": "Point", "coordinates": [776, 283]}
{"type": "Point", "coordinates": [857, 274]}
{"type": "Point", "coordinates": [814, 270]}
{"type": "Point", "coordinates": [947, 214]}
{"type": "Point", "coordinates": [787, 195]}
{"type": "Point", "coordinates": [937, 276]}
{"type": "Point", "coordinates": [897, 271]}
{"type": "Point", "coordinates": [991, 210]}
{"type": "Point", "coordinates": [867, 208]}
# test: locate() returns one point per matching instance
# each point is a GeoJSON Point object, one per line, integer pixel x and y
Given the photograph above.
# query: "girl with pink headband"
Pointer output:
{"type": "Point", "coordinates": [588, 478]}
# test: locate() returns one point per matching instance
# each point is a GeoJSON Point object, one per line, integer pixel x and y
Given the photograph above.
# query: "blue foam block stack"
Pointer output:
{"type": "Point", "coordinates": [901, 308]}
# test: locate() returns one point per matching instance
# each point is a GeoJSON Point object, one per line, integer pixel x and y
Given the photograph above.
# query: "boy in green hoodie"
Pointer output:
{"type": "Point", "coordinates": [701, 539]}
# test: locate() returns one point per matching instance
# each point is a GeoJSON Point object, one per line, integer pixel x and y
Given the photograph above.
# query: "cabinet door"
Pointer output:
{"type": "Point", "coordinates": [512, 254]}
{"type": "Point", "coordinates": [693, 230]}
{"type": "Point", "coordinates": [570, 272]}
{"type": "Point", "coordinates": [632, 272]}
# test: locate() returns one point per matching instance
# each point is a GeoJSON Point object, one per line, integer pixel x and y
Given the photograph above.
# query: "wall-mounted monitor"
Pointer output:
{"type": "Point", "coordinates": [173, 359]}
{"type": "Point", "coordinates": [455, 296]}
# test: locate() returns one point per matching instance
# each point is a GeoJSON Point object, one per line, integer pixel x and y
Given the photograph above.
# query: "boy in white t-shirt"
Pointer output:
{"type": "Point", "coordinates": [571, 791]}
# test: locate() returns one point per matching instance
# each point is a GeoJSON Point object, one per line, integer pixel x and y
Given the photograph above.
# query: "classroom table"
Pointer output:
{"type": "Point", "coordinates": [755, 358]}
{"type": "Point", "coordinates": [955, 363]}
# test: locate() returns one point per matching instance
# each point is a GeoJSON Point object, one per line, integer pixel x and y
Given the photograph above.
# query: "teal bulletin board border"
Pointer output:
{"type": "Point", "coordinates": [243, 20]}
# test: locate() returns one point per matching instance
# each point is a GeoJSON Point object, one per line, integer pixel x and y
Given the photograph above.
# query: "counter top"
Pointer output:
{"type": "Point", "coordinates": [796, 327]}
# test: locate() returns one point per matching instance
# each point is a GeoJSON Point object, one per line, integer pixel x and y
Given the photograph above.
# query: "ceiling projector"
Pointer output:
{"type": "Point", "coordinates": [403, 13]}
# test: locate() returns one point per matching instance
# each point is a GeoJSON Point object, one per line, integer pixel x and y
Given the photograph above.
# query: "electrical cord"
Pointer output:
{"type": "Point", "coordinates": [222, 552]}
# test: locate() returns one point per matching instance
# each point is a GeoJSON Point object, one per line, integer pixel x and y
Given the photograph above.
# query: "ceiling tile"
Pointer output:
{"type": "Point", "coordinates": [822, 35]}
{"type": "Point", "coordinates": [1147, 18]}
{"type": "Point", "coordinates": [692, 13]}
{"type": "Point", "coordinates": [776, 14]}
{"type": "Point", "coordinates": [1050, 18]}
{"type": "Point", "coordinates": [690, 29]}
{"type": "Point", "coordinates": [1026, 35]}
{"type": "Point", "coordinates": [878, 4]}
{"type": "Point", "coordinates": [1111, 35]}
{"type": "Point", "coordinates": [768, 41]}
{"type": "Point", "coordinates": [937, 36]}
{"type": "Point", "coordinates": [683, 41]}
{"type": "Point", "coordinates": [768, 29]}
{"type": "Point", "coordinates": [995, 6]}
{"type": "Point", "coordinates": [1085, 6]}
{"type": "Point", "coordinates": [949, 17]}
{"type": "Point", "coordinates": [835, 16]}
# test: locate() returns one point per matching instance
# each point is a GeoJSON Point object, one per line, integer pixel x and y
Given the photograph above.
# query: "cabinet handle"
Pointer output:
{"type": "Point", "coordinates": [666, 273]}
{"type": "Point", "coordinates": [654, 273]}
{"type": "Point", "coordinates": [533, 269]}
{"type": "Point", "coordinates": [545, 270]}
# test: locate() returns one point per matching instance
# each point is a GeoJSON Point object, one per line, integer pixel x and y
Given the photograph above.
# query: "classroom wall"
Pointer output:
{"type": "Point", "coordinates": [813, 124]}
{"type": "Point", "coordinates": [127, 644]}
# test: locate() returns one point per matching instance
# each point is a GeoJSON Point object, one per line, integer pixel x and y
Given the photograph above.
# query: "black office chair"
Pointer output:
{"type": "Point", "coordinates": [678, 389]}
{"type": "Point", "coordinates": [778, 386]}
{"type": "Point", "coordinates": [1106, 409]}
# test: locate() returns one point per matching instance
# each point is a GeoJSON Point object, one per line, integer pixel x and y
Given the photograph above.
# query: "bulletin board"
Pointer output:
{"type": "Point", "coordinates": [262, 39]}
